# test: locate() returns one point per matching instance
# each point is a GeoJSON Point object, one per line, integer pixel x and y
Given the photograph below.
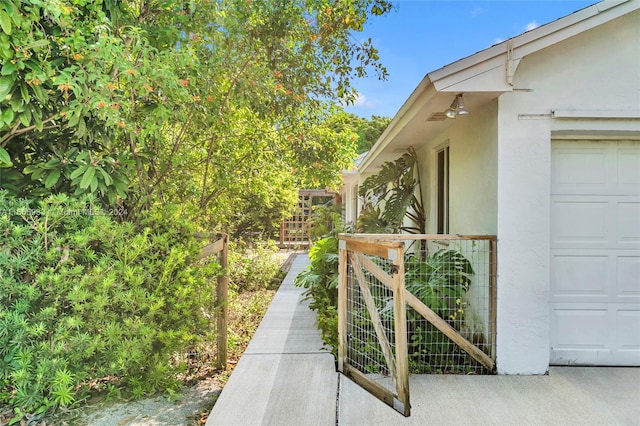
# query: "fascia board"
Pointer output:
{"type": "Point", "coordinates": [490, 64]}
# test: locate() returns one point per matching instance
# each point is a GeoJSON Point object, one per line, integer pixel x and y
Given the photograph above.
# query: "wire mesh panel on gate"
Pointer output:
{"type": "Point", "coordinates": [364, 350]}
{"type": "Point", "coordinates": [448, 283]}
{"type": "Point", "coordinates": [372, 321]}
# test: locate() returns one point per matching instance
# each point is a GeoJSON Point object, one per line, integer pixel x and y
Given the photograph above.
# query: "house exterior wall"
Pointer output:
{"type": "Point", "coordinates": [592, 72]}
{"type": "Point", "coordinates": [472, 142]}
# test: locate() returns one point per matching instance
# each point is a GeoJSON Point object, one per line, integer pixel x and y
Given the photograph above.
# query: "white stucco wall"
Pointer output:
{"type": "Point", "coordinates": [472, 144]}
{"type": "Point", "coordinates": [473, 173]}
{"type": "Point", "coordinates": [595, 71]}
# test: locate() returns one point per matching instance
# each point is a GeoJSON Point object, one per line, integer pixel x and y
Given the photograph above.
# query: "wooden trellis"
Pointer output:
{"type": "Point", "coordinates": [294, 232]}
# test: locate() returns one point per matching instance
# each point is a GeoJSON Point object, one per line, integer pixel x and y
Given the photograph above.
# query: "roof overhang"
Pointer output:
{"type": "Point", "coordinates": [482, 77]}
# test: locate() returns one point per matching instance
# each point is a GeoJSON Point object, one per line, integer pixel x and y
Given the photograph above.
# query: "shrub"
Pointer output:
{"type": "Point", "coordinates": [252, 267]}
{"type": "Point", "coordinates": [85, 299]}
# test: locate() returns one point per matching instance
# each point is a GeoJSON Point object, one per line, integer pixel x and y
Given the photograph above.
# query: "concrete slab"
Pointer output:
{"type": "Point", "coordinates": [289, 326]}
{"type": "Point", "coordinates": [285, 376]}
{"type": "Point", "coordinates": [270, 389]}
{"type": "Point", "coordinates": [568, 395]}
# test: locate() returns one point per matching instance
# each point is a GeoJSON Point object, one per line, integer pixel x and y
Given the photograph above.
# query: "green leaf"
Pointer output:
{"type": "Point", "coordinates": [36, 44]}
{"type": "Point", "coordinates": [5, 22]}
{"type": "Point", "coordinates": [8, 68]}
{"type": "Point", "coordinates": [40, 94]}
{"type": "Point", "coordinates": [82, 129]}
{"type": "Point", "coordinates": [30, 169]}
{"type": "Point", "coordinates": [87, 178]}
{"type": "Point", "coordinates": [77, 172]}
{"type": "Point", "coordinates": [52, 164]}
{"type": "Point", "coordinates": [38, 173]}
{"type": "Point", "coordinates": [25, 117]}
{"type": "Point", "coordinates": [94, 184]}
{"type": "Point", "coordinates": [25, 93]}
{"type": "Point", "coordinates": [105, 176]}
{"type": "Point", "coordinates": [5, 159]}
{"type": "Point", "coordinates": [6, 83]}
{"type": "Point", "coordinates": [33, 65]}
{"type": "Point", "coordinates": [73, 120]}
{"type": "Point", "coordinates": [8, 116]}
{"type": "Point", "coordinates": [52, 179]}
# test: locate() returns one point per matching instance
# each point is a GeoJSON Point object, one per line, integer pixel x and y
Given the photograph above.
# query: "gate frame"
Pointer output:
{"type": "Point", "coordinates": [393, 251]}
{"type": "Point", "coordinates": [391, 247]}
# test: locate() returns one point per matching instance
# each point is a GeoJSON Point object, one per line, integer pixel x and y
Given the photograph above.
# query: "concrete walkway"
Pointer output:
{"type": "Point", "coordinates": [287, 377]}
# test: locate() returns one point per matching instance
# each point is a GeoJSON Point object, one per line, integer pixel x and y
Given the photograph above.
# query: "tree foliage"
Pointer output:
{"type": "Point", "coordinates": [147, 102]}
{"type": "Point", "coordinates": [175, 115]}
{"type": "Point", "coordinates": [369, 131]}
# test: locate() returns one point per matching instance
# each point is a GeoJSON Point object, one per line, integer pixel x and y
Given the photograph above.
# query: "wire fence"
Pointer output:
{"type": "Point", "coordinates": [454, 278]}
{"type": "Point", "coordinates": [364, 350]}
{"type": "Point", "coordinates": [449, 317]}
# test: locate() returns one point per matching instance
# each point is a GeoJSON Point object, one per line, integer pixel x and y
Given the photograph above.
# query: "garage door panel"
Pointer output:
{"type": "Point", "coordinates": [628, 277]}
{"type": "Point", "coordinates": [581, 334]}
{"type": "Point", "coordinates": [628, 214]}
{"type": "Point", "coordinates": [576, 170]}
{"type": "Point", "coordinates": [595, 275]}
{"type": "Point", "coordinates": [599, 357]}
{"type": "Point", "coordinates": [629, 170]}
{"type": "Point", "coordinates": [584, 275]}
{"type": "Point", "coordinates": [579, 221]}
{"type": "Point", "coordinates": [629, 331]}
{"type": "Point", "coordinates": [580, 328]}
{"type": "Point", "coordinates": [595, 253]}
{"type": "Point", "coordinates": [595, 221]}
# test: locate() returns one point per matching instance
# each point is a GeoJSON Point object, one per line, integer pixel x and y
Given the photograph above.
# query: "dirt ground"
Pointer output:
{"type": "Point", "coordinates": [190, 407]}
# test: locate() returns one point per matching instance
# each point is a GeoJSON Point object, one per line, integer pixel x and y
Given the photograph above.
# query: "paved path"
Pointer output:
{"type": "Point", "coordinates": [287, 377]}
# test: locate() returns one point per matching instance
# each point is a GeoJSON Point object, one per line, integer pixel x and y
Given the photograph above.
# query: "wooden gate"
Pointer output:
{"type": "Point", "coordinates": [375, 335]}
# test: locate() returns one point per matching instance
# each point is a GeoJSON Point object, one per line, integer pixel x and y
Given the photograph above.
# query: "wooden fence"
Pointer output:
{"type": "Point", "coordinates": [220, 248]}
{"type": "Point", "coordinates": [381, 341]}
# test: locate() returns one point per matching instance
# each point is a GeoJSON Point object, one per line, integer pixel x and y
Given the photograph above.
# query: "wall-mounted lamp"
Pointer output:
{"type": "Point", "coordinates": [457, 107]}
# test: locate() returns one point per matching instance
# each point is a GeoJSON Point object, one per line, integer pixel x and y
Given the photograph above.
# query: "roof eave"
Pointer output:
{"type": "Point", "coordinates": [485, 71]}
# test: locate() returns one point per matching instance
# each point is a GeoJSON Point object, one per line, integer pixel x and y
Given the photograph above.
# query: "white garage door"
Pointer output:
{"type": "Point", "coordinates": [595, 253]}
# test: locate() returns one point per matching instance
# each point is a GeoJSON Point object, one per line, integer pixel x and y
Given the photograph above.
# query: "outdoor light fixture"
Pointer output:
{"type": "Point", "coordinates": [457, 107]}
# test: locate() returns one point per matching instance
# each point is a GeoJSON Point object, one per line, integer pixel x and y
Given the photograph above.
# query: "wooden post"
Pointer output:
{"type": "Point", "coordinates": [283, 224]}
{"type": "Point", "coordinates": [493, 292]}
{"type": "Point", "coordinates": [342, 304]}
{"type": "Point", "coordinates": [222, 296]}
{"type": "Point", "coordinates": [400, 321]}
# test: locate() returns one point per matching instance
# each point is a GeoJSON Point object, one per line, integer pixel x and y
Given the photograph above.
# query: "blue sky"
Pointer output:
{"type": "Point", "coordinates": [420, 36]}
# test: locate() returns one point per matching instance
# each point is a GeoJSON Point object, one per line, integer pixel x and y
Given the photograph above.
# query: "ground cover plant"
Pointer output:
{"type": "Point", "coordinates": [320, 279]}
{"type": "Point", "coordinates": [85, 299]}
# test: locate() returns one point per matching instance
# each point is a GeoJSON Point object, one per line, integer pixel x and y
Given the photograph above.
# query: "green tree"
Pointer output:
{"type": "Point", "coordinates": [162, 101]}
{"type": "Point", "coordinates": [370, 130]}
